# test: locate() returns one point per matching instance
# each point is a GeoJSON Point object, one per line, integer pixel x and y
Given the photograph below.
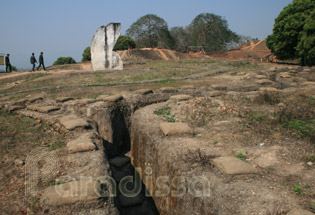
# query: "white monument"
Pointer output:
{"type": "Point", "coordinates": [102, 44]}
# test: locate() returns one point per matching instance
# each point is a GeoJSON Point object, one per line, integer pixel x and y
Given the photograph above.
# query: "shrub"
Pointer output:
{"type": "Point", "coordinates": [64, 60]}
{"type": "Point", "coordinates": [123, 43]}
{"type": "Point", "coordinates": [86, 56]}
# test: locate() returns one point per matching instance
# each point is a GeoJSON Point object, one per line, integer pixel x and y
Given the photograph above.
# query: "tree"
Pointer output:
{"type": "Point", "coordinates": [124, 42]}
{"type": "Point", "coordinates": [86, 56]}
{"type": "Point", "coordinates": [212, 32]}
{"type": "Point", "coordinates": [64, 60]}
{"type": "Point", "coordinates": [150, 31]}
{"type": "Point", "coordinates": [292, 32]}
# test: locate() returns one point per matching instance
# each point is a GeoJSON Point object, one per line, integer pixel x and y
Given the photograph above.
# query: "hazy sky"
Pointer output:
{"type": "Point", "coordinates": [65, 27]}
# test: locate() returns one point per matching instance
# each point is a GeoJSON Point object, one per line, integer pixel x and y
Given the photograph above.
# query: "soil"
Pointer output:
{"type": "Point", "coordinates": [233, 112]}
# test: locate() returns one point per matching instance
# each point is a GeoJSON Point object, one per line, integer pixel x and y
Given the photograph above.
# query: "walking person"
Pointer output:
{"type": "Point", "coordinates": [41, 61]}
{"type": "Point", "coordinates": [8, 64]}
{"type": "Point", "coordinates": [33, 61]}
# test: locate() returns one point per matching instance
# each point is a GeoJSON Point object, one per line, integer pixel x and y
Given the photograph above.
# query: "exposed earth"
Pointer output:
{"type": "Point", "coordinates": [228, 137]}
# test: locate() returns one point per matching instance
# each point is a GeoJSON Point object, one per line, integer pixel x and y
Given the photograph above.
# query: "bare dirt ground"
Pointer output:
{"type": "Point", "coordinates": [261, 113]}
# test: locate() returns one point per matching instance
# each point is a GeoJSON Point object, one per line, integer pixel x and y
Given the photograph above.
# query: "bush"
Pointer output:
{"type": "Point", "coordinates": [123, 43]}
{"type": "Point", "coordinates": [64, 60]}
{"type": "Point", "coordinates": [86, 56]}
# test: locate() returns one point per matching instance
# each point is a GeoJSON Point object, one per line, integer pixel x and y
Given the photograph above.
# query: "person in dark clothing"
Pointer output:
{"type": "Point", "coordinates": [41, 61]}
{"type": "Point", "coordinates": [7, 63]}
{"type": "Point", "coordinates": [33, 61]}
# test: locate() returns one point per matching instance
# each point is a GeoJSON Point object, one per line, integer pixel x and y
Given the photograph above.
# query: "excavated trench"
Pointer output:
{"type": "Point", "coordinates": [114, 125]}
{"type": "Point", "coordinates": [131, 194]}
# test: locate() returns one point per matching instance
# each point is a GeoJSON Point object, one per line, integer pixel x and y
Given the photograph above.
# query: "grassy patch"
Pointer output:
{"type": "Point", "coordinates": [301, 127]}
{"type": "Point", "coordinates": [241, 156]}
{"type": "Point", "coordinates": [34, 76]}
{"type": "Point", "coordinates": [57, 145]}
{"type": "Point", "coordinates": [165, 112]}
{"type": "Point", "coordinates": [298, 189]}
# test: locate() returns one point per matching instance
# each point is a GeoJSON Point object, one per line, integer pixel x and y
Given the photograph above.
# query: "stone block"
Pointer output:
{"type": "Point", "coordinates": [113, 98]}
{"type": "Point", "coordinates": [102, 44]}
{"type": "Point", "coordinates": [71, 193]}
{"type": "Point", "coordinates": [47, 109]}
{"type": "Point", "coordinates": [168, 89]}
{"type": "Point", "coordinates": [215, 93]}
{"type": "Point", "coordinates": [75, 123]}
{"type": "Point", "coordinates": [233, 166]}
{"type": "Point", "coordinates": [188, 87]}
{"type": "Point", "coordinates": [263, 81]}
{"type": "Point", "coordinates": [219, 87]}
{"type": "Point", "coordinates": [82, 144]}
{"type": "Point", "coordinates": [181, 97]}
{"type": "Point", "coordinates": [63, 99]}
{"type": "Point", "coordinates": [176, 129]}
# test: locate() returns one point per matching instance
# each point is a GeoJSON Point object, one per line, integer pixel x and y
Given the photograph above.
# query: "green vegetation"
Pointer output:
{"type": "Point", "coordinates": [123, 43]}
{"type": "Point", "coordinates": [302, 127]}
{"type": "Point", "coordinates": [240, 155]}
{"type": "Point", "coordinates": [34, 76]}
{"type": "Point", "coordinates": [293, 33]}
{"type": "Point", "coordinates": [151, 31]}
{"type": "Point", "coordinates": [298, 189]}
{"type": "Point", "coordinates": [86, 56]}
{"type": "Point", "coordinates": [64, 60]}
{"type": "Point", "coordinates": [165, 110]}
{"type": "Point", "coordinates": [57, 145]}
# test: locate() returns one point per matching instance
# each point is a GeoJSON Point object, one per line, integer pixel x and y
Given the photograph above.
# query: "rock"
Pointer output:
{"type": "Point", "coordinates": [170, 129]}
{"type": "Point", "coordinates": [63, 99]}
{"type": "Point", "coordinates": [119, 161]}
{"type": "Point", "coordinates": [309, 163]}
{"type": "Point", "coordinates": [71, 193]}
{"type": "Point", "coordinates": [281, 105]}
{"type": "Point", "coordinates": [143, 91]}
{"type": "Point", "coordinates": [168, 90]}
{"type": "Point", "coordinates": [181, 97]}
{"type": "Point", "coordinates": [35, 98]}
{"type": "Point", "coordinates": [260, 77]}
{"type": "Point", "coordinates": [219, 87]}
{"type": "Point", "coordinates": [72, 121]}
{"type": "Point", "coordinates": [20, 102]}
{"type": "Point", "coordinates": [285, 75]}
{"type": "Point", "coordinates": [308, 83]}
{"type": "Point", "coordinates": [263, 82]}
{"type": "Point", "coordinates": [188, 87]}
{"type": "Point", "coordinates": [32, 107]}
{"type": "Point", "coordinates": [307, 70]}
{"type": "Point", "coordinates": [47, 109]}
{"type": "Point", "coordinates": [15, 108]}
{"type": "Point", "coordinates": [75, 123]}
{"type": "Point", "coordinates": [86, 101]}
{"type": "Point", "coordinates": [268, 90]}
{"type": "Point", "coordinates": [215, 93]}
{"type": "Point", "coordinates": [82, 144]}
{"type": "Point", "coordinates": [102, 44]}
{"type": "Point", "coordinates": [299, 212]}
{"type": "Point", "coordinates": [113, 98]}
{"type": "Point", "coordinates": [233, 166]}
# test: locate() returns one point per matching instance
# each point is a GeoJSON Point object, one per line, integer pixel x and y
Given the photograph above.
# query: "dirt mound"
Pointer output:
{"type": "Point", "coordinates": [253, 49]}
{"type": "Point", "coordinates": [152, 54]}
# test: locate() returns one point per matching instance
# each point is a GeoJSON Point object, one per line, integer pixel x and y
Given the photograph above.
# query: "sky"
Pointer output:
{"type": "Point", "coordinates": [62, 28]}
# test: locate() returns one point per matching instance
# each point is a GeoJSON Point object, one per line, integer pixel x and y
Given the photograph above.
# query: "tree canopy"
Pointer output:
{"type": "Point", "coordinates": [86, 56]}
{"type": "Point", "coordinates": [64, 60]}
{"type": "Point", "coordinates": [124, 43]}
{"type": "Point", "coordinates": [212, 32]}
{"type": "Point", "coordinates": [150, 31]}
{"type": "Point", "coordinates": [294, 31]}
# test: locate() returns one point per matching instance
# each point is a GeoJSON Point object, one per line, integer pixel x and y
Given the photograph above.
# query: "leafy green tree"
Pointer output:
{"type": "Point", "coordinates": [306, 45]}
{"type": "Point", "coordinates": [124, 42]}
{"type": "Point", "coordinates": [86, 56]}
{"type": "Point", "coordinates": [64, 60]}
{"type": "Point", "coordinates": [150, 31]}
{"type": "Point", "coordinates": [293, 31]}
{"type": "Point", "coordinates": [182, 36]}
{"type": "Point", "coordinates": [212, 32]}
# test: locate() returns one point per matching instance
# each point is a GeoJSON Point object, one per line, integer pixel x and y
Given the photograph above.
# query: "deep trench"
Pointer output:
{"type": "Point", "coordinates": [121, 169]}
